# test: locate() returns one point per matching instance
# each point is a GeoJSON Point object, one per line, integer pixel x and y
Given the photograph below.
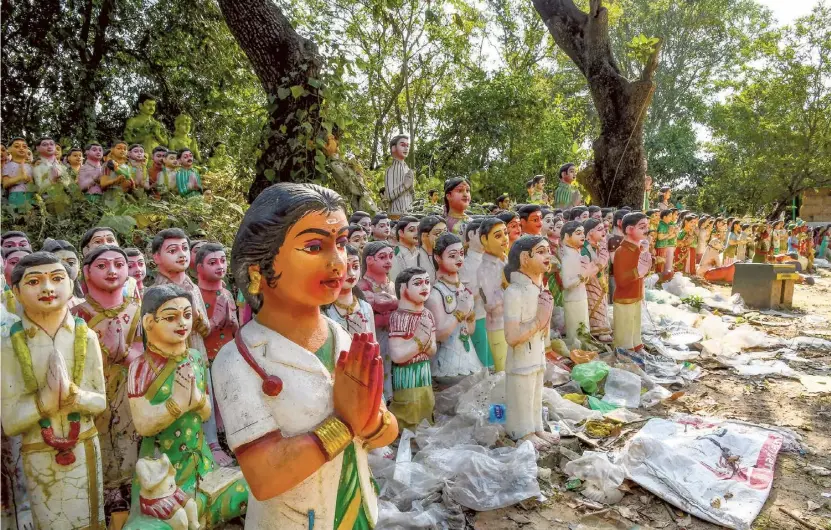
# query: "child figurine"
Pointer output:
{"type": "Point", "coordinates": [53, 388]}
{"type": "Point", "coordinates": [167, 179]}
{"type": "Point", "coordinates": [686, 248]}
{"type": "Point", "coordinates": [137, 267]}
{"type": "Point", "coordinates": [733, 239]}
{"type": "Point", "coordinates": [380, 227]}
{"type": "Point", "coordinates": [17, 174]}
{"type": "Point", "coordinates": [138, 162]}
{"type": "Point", "coordinates": [118, 174]}
{"type": "Point", "coordinates": [211, 266]}
{"type": "Point", "coordinates": [596, 250]}
{"type": "Point", "coordinates": [429, 230]}
{"type": "Point", "coordinates": [115, 319]}
{"type": "Point", "coordinates": [406, 251]}
{"type": "Point", "coordinates": [456, 201]}
{"type": "Point", "coordinates": [493, 235]}
{"type": "Point", "coordinates": [452, 306]}
{"type": "Point", "coordinates": [528, 307]}
{"type": "Point", "coordinates": [354, 314]}
{"type": "Point", "coordinates": [530, 219]}
{"type": "Point", "coordinates": [69, 257]}
{"type": "Point", "coordinates": [357, 237]}
{"type": "Point", "coordinates": [294, 394]}
{"type": "Point", "coordinates": [511, 220]}
{"type": "Point", "coordinates": [412, 346]}
{"type": "Point", "coordinates": [48, 170]}
{"type": "Point", "coordinates": [470, 278]}
{"type": "Point", "coordinates": [781, 236]}
{"type": "Point", "coordinates": [741, 252]}
{"type": "Point", "coordinates": [632, 264]}
{"type": "Point", "coordinates": [576, 272]}
{"type": "Point", "coordinates": [705, 227]}
{"type": "Point", "coordinates": [188, 181]}
{"type": "Point", "coordinates": [665, 245]}
{"type": "Point", "coordinates": [168, 394]}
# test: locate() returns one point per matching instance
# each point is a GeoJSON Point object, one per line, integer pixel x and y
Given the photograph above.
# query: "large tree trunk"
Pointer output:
{"type": "Point", "coordinates": [282, 59]}
{"type": "Point", "coordinates": [619, 161]}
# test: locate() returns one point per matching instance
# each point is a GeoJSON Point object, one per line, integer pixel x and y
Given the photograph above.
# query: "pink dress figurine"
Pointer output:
{"type": "Point", "coordinates": [597, 285]}
{"type": "Point", "coordinates": [137, 267]}
{"type": "Point", "coordinates": [89, 176]}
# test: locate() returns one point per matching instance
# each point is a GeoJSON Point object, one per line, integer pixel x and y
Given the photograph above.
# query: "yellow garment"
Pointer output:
{"type": "Point", "coordinates": [411, 405]}
{"type": "Point", "coordinates": [499, 349]}
{"type": "Point", "coordinates": [627, 325]}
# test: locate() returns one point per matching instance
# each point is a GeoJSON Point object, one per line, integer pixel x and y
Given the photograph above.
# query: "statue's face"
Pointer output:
{"type": "Point", "coordinates": [401, 149]}
{"type": "Point", "coordinates": [514, 229]}
{"type": "Point", "coordinates": [380, 263]}
{"type": "Point", "coordinates": [409, 236]}
{"type": "Point", "coordinates": [118, 152]}
{"type": "Point", "coordinates": [430, 241]}
{"type": "Point", "coordinates": [95, 153]}
{"type": "Point", "coordinates": [147, 108]}
{"type": "Point", "coordinates": [568, 176]}
{"type": "Point", "coordinates": [577, 238]}
{"type": "Point", "coordinates": [639, 231]}
{"type": "Point", "coordinates": [102, 237]}
{"type": "Point", "coordinates": [46, 148]}
{"type": "Point", "coordinates": [548, 224]}
{"type": "Point", "coordinates": [30, 157]}
{"type": "Point", "coordinates": [381, 230]}
{"type": "Point", "coordinates": [353, 273]}
{"type": "Point", "coordinates": [70, 261]}
{"type": "Point", "coordinates": [137, 267]}
{"type": "Point", "coordinates": [171, 324]}
{"type": "Point", "coordinates": [608, 220]}
{"type": "Point", "coordinates": [17, 242]}
{"type": "Point", "coordinates": [366, 224]}
{"type": "Point", "coordinates": [505, 204]}
{"type": "Point", "coordinates": [9, 264]}
{"type": "Point", "coordinates": [75, 158]}
{"type": "Point", "coordinates": [213, 267]}
{"type": "Point", "coordinates": [194, 248]}
{"type": "Point", "coordinates": [596, 215]}
{"type": "Point", "coordinates": [496, 242]}
{"type": "Point", "coordinates": [137, 153]}
{"type": "Point", "coordinates": [58, 151]}
{"type": "Point", "coordinates": [182, 124]}
{"type": "Point", "coordinates": [540, 185]}
{"type": "Point", "coordinates": [558, 227]}
{"type": "Point", "coordinates": [19, 150]}
{"type": "Point", "coordinates": [44, 288]}
{"type": "Point", "coordinates": [597, 234]}
{"type": "Point", "coordinates": [417, 289]}
{"type": "Point", "coordinates": [170, 161]}
{"type": "Point", "coordinates": [533, 225]}
{"type": "Point", "coordinates": [358, 240]}
{"type": "Point", "coordinates": [173, 256]}
{"type": "Point", "coordinates": [459, 197]}
{"type": "Point", "coordinates": [584, 216]}
{"type": "Point", "coordinates": [108, 272]}
{"type": "Point", "coordinates": [158, 158]}
{"type": "Point", "coordinates": [186, 159]}
{"type": "Point", "coordinates": [537, 261]}
{"type": "Point", "coordinates": [452, 259]}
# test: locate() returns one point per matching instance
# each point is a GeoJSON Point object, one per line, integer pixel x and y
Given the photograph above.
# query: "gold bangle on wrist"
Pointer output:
{"type": "Point", "coordinates": [173, 407]}
{"type": "Point", "coordinates": [334, 436]}
{"type": "Point", "coordinates": [386, 420]}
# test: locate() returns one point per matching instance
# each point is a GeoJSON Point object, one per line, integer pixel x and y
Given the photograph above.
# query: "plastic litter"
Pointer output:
{"type": "Point", "coordinates": [561, 409]}
{"type": "Point", "coordinates": [682, 287]}
{"type": "Point", "coordinates": [600, 405]}
{"type": "Point", "coordinates": [448, 399]}
{"type": "Point", "coordinates": [810, 343]}
{"type": "Point", "coordinates": [762, 367]}
{"type": "Point", "coordinates": [572, 387]}
{"type": "Point", "coordinates": [661, 297]}
{"type": "Point", "coordinates": [816, 383]}
{"type": "Point", "coordinates": [435, 516]}
{"type": "Point", "coordinates": [654, 396]}
{"type": "Point", "coordinates": [600, 477]}
{"type": "Point", "coordinates": [589, 374]}
{"type": "Point", "coordinates": [660, 369]}
{"type": "Point", "coordinates": [582, 356]}
{"type": "Point", "coordinates": [622, 388]}
{"type": "Point", "coordinates": [556, 376]}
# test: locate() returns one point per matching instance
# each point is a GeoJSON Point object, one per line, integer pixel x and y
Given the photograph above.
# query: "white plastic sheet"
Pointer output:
{"type": "Point", "coordinates": [601, 478]}
{"type": "Point", "coordinates": [622, 389]}
{"type": "Point", "coordinates": [694, 462]}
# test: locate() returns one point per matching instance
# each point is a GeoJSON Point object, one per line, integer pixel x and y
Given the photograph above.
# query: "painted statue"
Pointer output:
{"type": "Point", "coordinates": [687, 243]}
{"type": "Point", "coordinates": [155, 172]}
{"type": "Point", "coordinates": [576, 271]}
{"type": "Point", "coordinates": [143, 128]}
{"type": "Point", "coordinates": [381, 230]}
{"type": "Point", "coordinates": [741, 251]}
{"type": "Point", "coordinates": [664, 203]}
{"type": "Point", "coordinates": [705, 228]}
{"type": "Point", "coordinates": [138, 162]}
{"type": "Point", "coordinates": [597, 285]}
{"type": "Point", "coordinates": [53, 388]}
{"type": "Point", "coordinates": [118, 174]}
{"type": "Point", "coordinates": [15, 239]}
{"type": "Point", "coordinates": [511, 220]}
{"type": "Point", "coordinates": [219, 159]}
{"type": "Point", "coordinates": [711, 259]}
{"type": "Point", "coordinates": [11, 257]}
{"type": "Point", "coordinates": [188, 181]}
{"type": "Point", "coordinates": [354, 314]}
{"type": "Point", "coordinates": [89, 176]}
{"type": "Point", "coordinates": [182, 139]}
{"type": "Point", "coordinates": [528, 308]}
{"type": "Point", "coordinates": [469, 275]}
{"type": "Point", "coordinates": [399, 179]}
{"type": "Point", "coordinates": [295, 394]}
{"type": "Point", "coordinates": [49, 170]}
{"type": "Point", "coordinates": [17, 174]}
{"type": "Point", "coordinates": [137, 267]}
{"type": "Point", "coordinates": [537, 193]}
{"type": "Point", "coordinates": [493, 235]}
{"type": "Point", "coordinates": [69, 257]}
{"type": "Point", "coordinates": [632, 264]}
{"type": "Point", "coordinates": [171, 166]}
{"type": "Point", "coordinates": [115, 320]}
{"type": "Point", "coordinates": [566, 195]}
{"type": "Point", "coordinates": [74, 161]}
{"type": "Point", "coordinates": [429, 229]}
{"type": "Point", "coordinates": [665, 244]}
{"type": "Point", "coordinates": [357, 237]}
{"type": "Point", "coordinates": [451, 304]}
{"type": "Point", "coordinates": [167, 387]}
{"type": "Point", "coordinates": [731, 250]}
{"type": "Point", "coordinates": [348, 175]}
{"type": "Point", "coordinates": [362, 219]}
{"type": "Point", "coordinates": [412, 346]}
{"type": "Point", "coordinates": [406, 251]}
{"type": "Point", "coordinates": [456, 201]}
{"type": "Point", "coordinates": [211, 266]}
{"type": "Point", "coordinates": [530, 219]}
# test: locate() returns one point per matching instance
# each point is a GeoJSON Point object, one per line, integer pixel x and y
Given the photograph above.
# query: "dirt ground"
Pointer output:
{"type": "Point", "coordinates": [719, 392]}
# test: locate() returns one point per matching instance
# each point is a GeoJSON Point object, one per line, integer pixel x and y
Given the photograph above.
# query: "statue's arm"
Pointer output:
{"type": "Point", "coordinates": [92, 394]}
{"type": "Point", "coordinates": [19, 408]}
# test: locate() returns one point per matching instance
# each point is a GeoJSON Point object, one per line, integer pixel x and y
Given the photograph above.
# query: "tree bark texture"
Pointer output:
{"type": "Point", "coordinates": [281, 58]}
{"type": "Point", "coordinates": [619, 167]}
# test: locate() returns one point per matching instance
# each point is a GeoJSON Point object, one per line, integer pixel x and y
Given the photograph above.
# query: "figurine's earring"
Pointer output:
{"type": "Point", "coordinates": [254, 278]}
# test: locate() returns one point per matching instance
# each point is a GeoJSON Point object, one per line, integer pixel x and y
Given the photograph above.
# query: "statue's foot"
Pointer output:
{"type": "Point", "coordinates": [538, 443]}
{"type": "Point", "coordinates": [549, 437]}
{"type": "Point", "coordinates": [605, 338]}
{"type": "Point", "coordinates": [220, 457]}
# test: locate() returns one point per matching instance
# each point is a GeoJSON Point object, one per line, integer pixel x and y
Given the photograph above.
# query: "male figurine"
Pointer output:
{"type": "Point", "coordinates": [530, 219]}
{"type": "Point", "coordinates": [138, 163]}
{"type": "Point", "coordinates": [503, 202]}
{"type": "Point", "coordinates": [399, 180]}
{"type": "Point", "coordinates": [219, 159]}
{"type": "Point", "coordinates": [470, 278]}
{"type": "Point", "coordinates": [528, 308]}
{"type": "Point", "coordinates": [412, 345]}
{"type": "Point", "coordinates": [493, 235]}
{"type": "Point", "coordinates": [188, 181]}
{"type": "Point", "coordinates": [137, 267]}
{"type": "Point", "coordinates": [14, 239]}
{"type": "Point", "coordinates": [53, 387]}
{"type": "Point", "coordinates": [143, 128]}
{"type": "Point", "coordinates": [406, 251]}
{"type": "Point", "coordinates": [632, 264]}
{"type": "Point", "coordinates": [48, 169]}
{"type": "Point", "coordinates": [89, 176]}
{"type": "Point", "coordinates": [566, 195]}
{"type": "Point", "coordinates": [17, 174]}
{"type": "Point", "coordinates": [211, 266]}
{"type": "Point", "coordinates": [576, 271]}
{"type": "Point", "coordinates": [171, 166]}
{"type": "Point", "coordinates": [115, 319]}
{"type": "Point", "coordinates": [182, 139]}
{"type": "Point", "coordinates": [381, 227]}
{"type": "Point", "coordinates": [429, 230]}
{"type": "Point", "coordinates": [155, 174]}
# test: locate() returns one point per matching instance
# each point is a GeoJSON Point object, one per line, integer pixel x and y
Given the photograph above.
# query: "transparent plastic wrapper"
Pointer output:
{"type": "Point", "coordinates": [582, 356]}
{"type": "Point", "coordinates": [476, 400]}
{"type": "Point", "coordinates": [482, 479]}
{"type": "Point", "coordinates": [559, 408]}
{"type": "Point", "coordinates": [589, 374]}
{"type": "Point", "coordinates": [572, 387]}
{"type": "Point", "coordinates": [682, 287]}
{"type": "Point", "coordinates": [660, 369]}
{"type": "Point", "coordinates": [661, 297]}
{"type": "Point", "coordinates": [601, 478]}
{"type": "Point", "coordinates": [654, 396]}
{"type": "Point", "coordinates": [766, 367]}
{"type": "Point", "coordinates": [556, 376]}
{"type": "Point", "coordinates": [810, 343]}
{"type": "Point", "coordinates": [622, 389]}
{"type": "Point", "coordinates": [713, 327]}
{"type": "Point", "coordinates": [434, 517]}
{"type": "Point", "coordinates": [736, 340]}
{"type": "Point", "coordinates": [677, 354]}
{"type": "Point", "coordinates": [448, 399]}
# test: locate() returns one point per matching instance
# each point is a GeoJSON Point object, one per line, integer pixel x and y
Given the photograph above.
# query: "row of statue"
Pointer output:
{"type": "Point", "coordinates": [114, 392]}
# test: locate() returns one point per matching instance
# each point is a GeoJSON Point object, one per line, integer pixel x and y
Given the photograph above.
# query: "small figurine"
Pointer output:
{"type": "Point", "coordinates": [470, 279]}
{"type": "Point", "coordinates": [171, 166]}
{"type": "Point", "coordinates": [528, 308]}
{"type": "Point", "coordinates": [566, 195]}
{"type": "Point", "coordinates": [354, 314]}
{"type": "Point", "coordinates": [664, 203]}
{"type": "Point", "coordinates": [711, 259]}
{"type": "Point", "coordinates": [596, 249]}
{"type": "Point", "coordinates": [160, 497]}
{"type": "Point", "coordinates": [11, 257]}
{"type": "Point", "coordinates": [733, 238]}
{"type": "Point", "coordinates": [632, 264]}
{"type": "Point", "coordinates": [49, 169]}
{"type": "Point", "coordinates": [781, 237]}
{"type": "Point", "coordinates": [349, 176]}
{"type": "Point", "coordinates": [53, 387]}
{"type": "Point", "coordinates": [412, 346]}
{"type": "Point", "coordinates": [511, 220]}
{"type": "Point", "coordinates": [503, 202]}
{"type": "Point", "coordinates": [741, 252]}
{"type": "Point", "coordinates": [429, 229]}
{"type": "Point", "coordinates": [456, 201]}
{"type": "Point", "coordinates": [686, 247]}
{"type": "Point", "coordinates": [451, 304]}
{"type": "Point", "coordinates": [74, 160]}
{"type": "Point", "coordinates": [312, 406]}
{"type": "Point", "coordinates": [137, 267]}
{"type": "Point", "coordinates": [17, 174]}
{"type": "Point", "coordinates": [118, 173]}
{"type": "Point", "coordinates": [381, 227]}
{"type": "Point", "coordinates": [399, 179]}
{"type": "Point", "coordinates": [705, 227]}
{"type": "Point", "coordinates": [549, 220]}
{"type": "Point", "coordinates": [138, 162]}
{"type": "Point", "coordinates": [362, 219]}
{"type": "Point", "coordinates": [665, 244]}
{"type": "Point", "coordinates": [530, 219]}
{"type": "Point", "coordinates": [182, 139]}
{"type": "Point", "coordinates": [647, 188]}
{"type": "Point", "coordinates": [89, 176]}
{"type": "Point", "coordinates": [379, 291]}
{"type": "Point", "coordinates": [143, 128]}
{"type": "Point", "coordinates": [211, 266]}
{"type": "Point", "coordinates": [155, 173]}
{"type": "Point", "coordinates": [575, 275]}
{"type": "Point", "coordinates": [536, 193]}
{"type": "Point", "coordinates": [188, 181]}
{"type": "Point", "coordinates": [406, 251]}
{"type": "Point", "coordinates": [219, 159]}
{"type": "Point", "coordinates": [14, 239]}
{"type": "Point", "coordinates": [493, 235]}
{"type": "Point", "coordinates": [357, 237]}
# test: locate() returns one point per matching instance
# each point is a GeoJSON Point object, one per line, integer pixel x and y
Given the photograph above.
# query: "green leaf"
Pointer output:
{"type": "Point", "coordinates": [297, 91]}
{"type": "Point", "coordinates": [270, 174]}
{"type": "Point", "coordinates": [314, 82]}
{"type": "Point", "coordinates": [283, 93]}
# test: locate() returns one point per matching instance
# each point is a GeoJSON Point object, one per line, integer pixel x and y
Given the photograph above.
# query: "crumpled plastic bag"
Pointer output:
{"type": "Point", "coordinates": [589, 374]}
{"type": "Point", "coordinates": [654, 396]}
{"type": "Point", "coordinates": [758, 367]}
{"type": "Point", "coordinates": [435, 516]}
{"type": "Point", "coordinates": [661, 297]}
{"type": "Point", "coordinates": [475, 402]}
{"type": "Point", "coordinates": [448, 399]}
{"type": "Point", "coordinates": [682, 287]}
{"type": "Point", "coordinates": [556, 376]}
{"type": "Point", "coordinates": [561, 409]}
{"type": "Point", "coordinates": [622, 388]}
{"type": "Point", "coordinates": [600, 477]}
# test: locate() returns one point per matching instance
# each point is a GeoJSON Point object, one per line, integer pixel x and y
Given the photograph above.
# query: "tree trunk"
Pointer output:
{"type": "Point", "coordinates": [619, 161]}
{"type": "Point", "coordinates": [282, 60]}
